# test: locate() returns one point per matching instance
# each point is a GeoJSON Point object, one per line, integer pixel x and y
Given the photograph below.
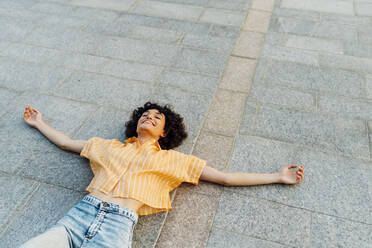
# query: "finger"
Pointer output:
{"type": "Point", "coordinates": [292, 166]}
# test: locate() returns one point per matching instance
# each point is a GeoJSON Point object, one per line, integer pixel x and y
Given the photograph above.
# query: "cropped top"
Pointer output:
{"type": "Point", "coordinates": [142, 172]}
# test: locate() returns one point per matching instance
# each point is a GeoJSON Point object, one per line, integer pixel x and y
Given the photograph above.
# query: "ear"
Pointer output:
{"type": "Point", "coordinates": [162, 135]}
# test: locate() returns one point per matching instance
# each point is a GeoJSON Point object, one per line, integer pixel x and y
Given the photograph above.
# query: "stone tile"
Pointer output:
{"type": "Point", "coordinates": [37, 213]}
{"type": "Point", "coordinates": [105, 90]}
{"type": "Point", "coordinates": [369, 87]}
{"type": "Point", "coordinates": [347, 62]}
{"type": "Point", "coordinates": [30, 53]}
{"type": "Point", "coordinates": [229, 32]}
{"type": "Point", "coordinates": [321, 79]}
{"type": "Point", "coordinates": [8, 4]}
{"type": "Point", "coordinates": [353, 108]}
{"type": "Point", "coordinates": [249, 117]}
{"type": "Point", "coordinates": [208, 42]}
{"type": "Point", "coordinates": [200, 61]}
{"type": "Point", "coordinates": [260, 72]}
{"type": "Point", "coordinates": [109, 4]}
{"type": "Point", "coordinates": [357, 49]}
{"type": "Point", "coordinates": [334, 134]}
{"type": "Point", "coordinates": [311, 43]}
{"type": "Point", "coordinates": [14, 193]}
{"type": "Point", "coordinates": [238, 74]}
{"type": "Point", "coordinates": [191, 2]}
{"type": "Point", "coordinates": [249, 44]}
{"type": "Point", "coordinates": [301, 14]}
{"type": "Point", "coordinates": [53, 8]}
{"type": "Point", "coordinates": [116, 27]}
{"type": "Point", "coordinates": [189, 81]}
{"type": "Point", "coordinates": [222, 17]}
{"type": "Point", "coordinates": [219, 238]}
{"type": "Point", "coordinates": [7, 97]}
{"type": "Point", "coordinates": [4, 45]}
{"type": "Point", "coordinates": [266, 5]}
{"type": "Point", "coordinates": [138, 50]}
{"type": "Point", "coordinates": [363, 8]}
{"type": "Point", "coordinates": [335, 31]}
{"type": "Point", "coordinates": [147, 230]}
{"type": "Point", "coordinates": [290, 54]}
{"type": "Point", "coordinates": [282, 96]}
{"type": "Point", "coordinates": [328, 231]}
{"type": "Point", "coordinates": [13, 29]}
{"type": "Point", "coordinates": [257, 21]}
{"type": "Point", "coordinates": [156, 34]}
{"type": "Point", "coordinates": [22, 76]}
{"type": "Point", "coordinates": [365, 35]}
{"type": "Point", "coordinates": [292, 25]}
{"type": "Point", "coordinates": [346, 19]}
{"type": "Point", "coordinates": [168, 10]}
{"type": "Point", "coordinates": [65, 39]}
{"type": "Point", "coordinates": [240, 5]}
{"type": "Point", "coordinates": [106, 123]}
{"type": "Point", "coordinates": [215, 149]}
{"type": "Point", "coordinates": [331, 6]}
{"type": "Point", "coordinates": [225, 112]}
{"type": "Point", "coordinates": [189, 221]}
{"type": "Point", "coordinates": [95, 14]}
{"type": "Point", "coordinates": [263, 219]}
{"type": "Point", "coordinates": [275, 39]}
{"type": "Point", "coordinates": [64, 21]}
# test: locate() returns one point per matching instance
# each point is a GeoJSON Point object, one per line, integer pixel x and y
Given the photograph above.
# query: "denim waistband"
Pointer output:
{"type": "Point", "coordinates": [111, 207]}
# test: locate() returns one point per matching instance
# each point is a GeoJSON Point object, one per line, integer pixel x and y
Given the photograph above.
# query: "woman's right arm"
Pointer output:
{"type": "Point", "coordinates": [33, 118]}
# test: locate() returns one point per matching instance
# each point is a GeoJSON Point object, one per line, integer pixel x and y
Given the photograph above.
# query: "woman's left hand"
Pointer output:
{"type": "Point", "coordinates": [288, 176]}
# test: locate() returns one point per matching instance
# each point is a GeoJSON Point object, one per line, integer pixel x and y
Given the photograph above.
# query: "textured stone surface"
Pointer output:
{"type": "Point", "coordinates": [358, 49]}
{"type": "Point", "coordinates": [369, 87]}
{"type": "Point", "coordinates": [238, 74]}
{"type": "Point", "coordinates": [239, 5]}
{"type": "Point", "coordinates": [347, 62]}
{"type": "Point", "coordinates": [333, 134]}
{"type": "Point", "coordinates": [37, 213]}
{"type": "Point", "coordinates": [248, 44]}
{"type": "Point", "coordinates": [110, 4]}
{"type": "Point", "coordinates": [222, 17]}
{"type": "Point", "coordinates": [303, 42]}
{"type": "Point", "coordinates": [263, 4]}
{"type": "Point", "coordinates": [363, 8]}
{"type": "Point", "coordinates": [208, 42]}
{"type": "Point", "coordinates": [290, 54]}
{"type": "Point", "coordinates": [189, 221]}
{"type": "Point", "coordinates": [155, 34]}
{"type": "Point", "coordinates": [225, 112]}
{"type": "Point", "coordinates": [332, 6]}
{"type": "Point", "coordinates": [249, 117]}
{"type": "Point", "coordinates": [257, 21]}
{"type": "Point", "coordinates": [263, 219]}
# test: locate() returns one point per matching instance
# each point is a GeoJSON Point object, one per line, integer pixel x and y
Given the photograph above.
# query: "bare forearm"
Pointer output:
{"type": "Point", "coordinates": [246, 179]}
{"type": "Point", "coordinates": [53, 135]}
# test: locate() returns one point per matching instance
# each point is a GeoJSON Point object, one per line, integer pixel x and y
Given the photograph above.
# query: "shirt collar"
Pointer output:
{"type": "Point", "coordinates": [149, 142]}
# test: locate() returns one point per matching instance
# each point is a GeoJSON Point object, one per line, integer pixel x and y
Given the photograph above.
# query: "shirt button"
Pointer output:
{"type": "Point", "coordinates": [105, 204]}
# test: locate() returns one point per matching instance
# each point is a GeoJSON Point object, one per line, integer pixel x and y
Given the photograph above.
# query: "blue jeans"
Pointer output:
{"type": "Point", "coordinates": [90, 223]}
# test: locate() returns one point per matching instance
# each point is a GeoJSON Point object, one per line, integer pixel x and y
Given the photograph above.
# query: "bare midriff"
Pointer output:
{"type": "Point", "coordinates": [124, 202]}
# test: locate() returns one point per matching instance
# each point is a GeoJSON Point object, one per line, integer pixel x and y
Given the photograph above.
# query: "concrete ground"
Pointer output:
{"type": "Point", "coordinates": [261, 84]}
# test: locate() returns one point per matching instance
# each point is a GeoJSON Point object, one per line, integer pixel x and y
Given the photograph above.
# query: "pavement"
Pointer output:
{"type": "Point", "coordinates": [260, 83]}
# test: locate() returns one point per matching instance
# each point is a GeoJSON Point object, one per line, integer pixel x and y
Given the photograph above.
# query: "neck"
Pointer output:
{"type": "Point", "coordinates": [144, 138]}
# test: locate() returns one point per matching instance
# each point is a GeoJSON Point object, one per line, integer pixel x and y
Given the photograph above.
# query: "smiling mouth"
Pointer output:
{"type": "Point", "coordinates": [148, 122]}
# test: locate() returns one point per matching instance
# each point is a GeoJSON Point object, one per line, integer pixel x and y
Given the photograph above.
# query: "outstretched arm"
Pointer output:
{"type": "Point", "coordinates": [33, 118]}
{"type": "Point", "coordinates": [285, 175]}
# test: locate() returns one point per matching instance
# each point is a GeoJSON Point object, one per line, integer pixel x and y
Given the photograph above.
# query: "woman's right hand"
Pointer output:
{"type": "Point", "coordinates": [32, 116]}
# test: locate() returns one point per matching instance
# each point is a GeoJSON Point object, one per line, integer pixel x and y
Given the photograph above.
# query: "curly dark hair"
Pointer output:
{"type": "Point", "coordinates": [174, 128]}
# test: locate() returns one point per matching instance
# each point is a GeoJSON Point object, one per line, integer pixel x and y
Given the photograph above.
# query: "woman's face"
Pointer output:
{"type": "Point", "coordinates": [152, 122]}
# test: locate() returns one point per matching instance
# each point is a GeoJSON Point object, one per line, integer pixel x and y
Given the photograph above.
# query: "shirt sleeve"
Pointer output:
{"type": "Point", "coordinates": [193, 167]}
{"type": "Point", "coordinates": [94, 147]}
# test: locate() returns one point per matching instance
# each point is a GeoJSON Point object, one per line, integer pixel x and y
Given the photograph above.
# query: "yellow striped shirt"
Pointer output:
{"type": "Point", "coordinates": [142, 172]}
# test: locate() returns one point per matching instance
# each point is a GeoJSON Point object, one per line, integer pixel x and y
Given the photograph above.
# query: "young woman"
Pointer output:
{"type": "Point", "coordinates": [134, 178]}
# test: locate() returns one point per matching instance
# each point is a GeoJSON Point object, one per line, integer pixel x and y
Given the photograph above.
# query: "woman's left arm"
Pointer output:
{"type": "Point", "coordinates": [285, 175]}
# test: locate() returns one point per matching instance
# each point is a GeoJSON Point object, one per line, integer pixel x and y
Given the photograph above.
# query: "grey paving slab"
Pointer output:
{"type": "Point", "coordinates": [8, 4]}
{"type": "Point", "coordinates": [347, 19]}
{"type": "Point", "coordinates": [331, 6]}
{"type": "Point", "coordinates": [323, 79]}
{"type": "Point", "coordinates": [105, 90]}
{"type": "Point", "coordinates": [249, 117]}
{"type": "Point", "coordinates": [347, 62]}
{"type": "Point", "coordinates": [310, 43]}
{"type": "Point", "coordinates": [208, 42]}
{"type": "Point", "coordinates": [147, 230]}
{"type": "Point", "coordinates": [200, 61]}
{"type": "Point", "coordinates": [358, 49]}
{"type": "Point", "coordinates": [30, 53]}
{"type": "Point", "coordinates": [110, 27]}
{"type": "Point", "coordinates": [156, 34]}
{"type": "Point", "coordinates": [328, 231]}
{"type": "Point", "coordinates": [239, 5]}
{"type": "Point", "coordinates": [365, 35]}
{"type": "Point", "coordinates": [53, 8]}
{"type": "Point", "coordinates": [168, 10]}
{"type": "Point", "coordinates": [301, 14]}
{"type": "Point", "coordinates": [222, 17]}
{"type": "Point", "coordinates": [15, 191]}
{"type": "Point", "coordinates": [219, 238]}
{"type": "Point", "coordinates": [110, 4]}
{"type": "Point", "coordinates": [65, 39]}
{"type": "Point", "coordinates": [21, 75]}
{"type": "Point", "coordinates": [37, 213]}
{"type": "Point", "coordinates": [79, 61]}
{"type": "Point", "coordinates": [290, 54]}
{"type": "Point", "coordinates": [369, 86]}
{"type": "Point", "coordinates": [335, 134]}
{"type": "Point", "coordinates": [353, 108]}
{"type": "Point", "coordinates": [263, 219]}
{"type": "Point", "coordinates": [13, 29]}
{"type": "Point", "coordinates": [260, 72]}
{"type": "Point", "coordinates": [22, 14]}
{"type": "Point", "coordinates": [282, 96]}
{"type": "Point", "coordinates": [191, 2]}
{"type": "Point", "coordinates": [363, 8]}
{"type": "Point", "coordinates": [94, 14]}
{"type": "Point", "coordinates": [64, 21]}
{"type": "Point", "coordinates": [189, 81]}
{"type": "Point", "coordinates": [343, 193]}
{"type": "Point", "coordinates": [138, 50]}
{"type": "Point", "coordinates": [230, 32]}
{"type": "Point", "coordinates": [7, 97]}
{"type": "Point", "coordinates": [4, 45]}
